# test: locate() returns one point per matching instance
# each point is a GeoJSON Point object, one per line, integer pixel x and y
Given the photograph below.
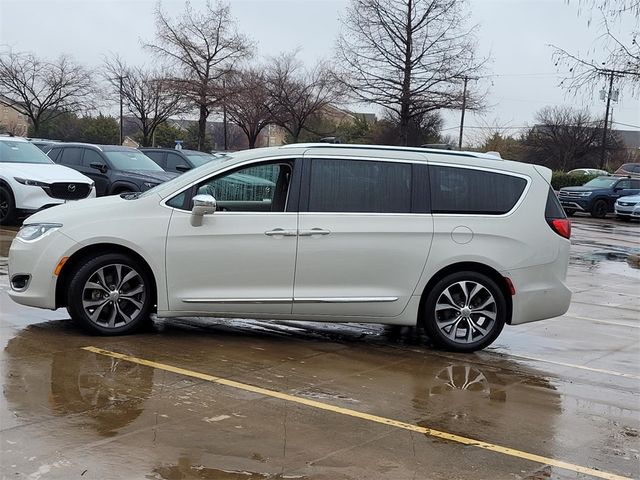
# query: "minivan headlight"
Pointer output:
{"type": "Point", "coordinates": [31, 233]}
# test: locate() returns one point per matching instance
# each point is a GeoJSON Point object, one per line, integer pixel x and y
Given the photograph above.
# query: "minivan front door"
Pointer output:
{"type": "Point", "coordinates": [242, 258]}
{"type": "Point", "coordinates": [361, 247]}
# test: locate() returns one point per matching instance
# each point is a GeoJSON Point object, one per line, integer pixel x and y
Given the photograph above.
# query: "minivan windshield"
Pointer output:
{"type": "Point", "coordinates": [12, 151]}
{"type": "Point", "coordinates": [600, 183]}
{"type": "Point", "coordinates": [131, 160]}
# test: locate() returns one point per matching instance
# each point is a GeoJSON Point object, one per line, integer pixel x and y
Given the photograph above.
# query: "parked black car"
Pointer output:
{"type": "Point", "coordinates": [113, 168]}
{"type": "Point", "coordinates": [598, 195]}
{"type": "Point", "coordinates": [178, 161]}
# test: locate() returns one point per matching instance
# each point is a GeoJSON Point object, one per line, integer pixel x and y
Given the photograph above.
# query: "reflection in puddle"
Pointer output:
{"type": "Point", "coordinates": [185, 471]}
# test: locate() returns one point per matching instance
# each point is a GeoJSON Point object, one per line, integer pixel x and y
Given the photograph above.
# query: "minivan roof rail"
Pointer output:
{"type": "Point", "coordinates": [352, 146]}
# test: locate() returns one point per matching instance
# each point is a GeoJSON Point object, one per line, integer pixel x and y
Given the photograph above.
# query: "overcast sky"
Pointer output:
{"type": "Point", "coordinates": [515, 32]}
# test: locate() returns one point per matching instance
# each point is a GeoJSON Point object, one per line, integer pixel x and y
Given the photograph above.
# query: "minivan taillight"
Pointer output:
{"type": "Point", "coordinates": [562, 226]}
{"type": "Point", "coordinates": [555, 216]}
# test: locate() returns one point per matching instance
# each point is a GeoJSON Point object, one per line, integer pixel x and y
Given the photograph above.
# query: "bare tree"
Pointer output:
{"type": "Point", "coordinates": [565, 138]}
{"type": "Point", "coordinates": [249, 104]}
{"type": "Point", "coordinates": [147, 94]}
{"type": "Point", "coordinates": [204, 45]}
{"type": "Point", "coordinates": [409, 56]}
{"type": "Point", "coordinates": [297, 93]}
{"type": "Point", "coordinates": [43, 90]}
{"type": "Point", "coordinates": [615, 54]}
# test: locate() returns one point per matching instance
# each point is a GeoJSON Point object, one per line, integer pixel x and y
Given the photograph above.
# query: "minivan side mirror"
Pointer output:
{"type": "Point", "coordinates": [202, 205]}
{"type": "Point", "coordinates": [183, 168]}
{"type": "Point", "coordinates": [98, 166]}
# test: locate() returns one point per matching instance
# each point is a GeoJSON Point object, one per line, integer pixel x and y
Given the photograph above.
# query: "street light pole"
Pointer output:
{"type": "Point", "coordinates": [606, 122]}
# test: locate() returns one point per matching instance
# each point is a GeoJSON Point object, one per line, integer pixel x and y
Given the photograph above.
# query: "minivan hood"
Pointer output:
{"type": "Point", "coordinates": [86, 210]}
{"type": "Point", "coordinates": [43, 172]}
{"type": "Point", "coordinates": [150, 175]}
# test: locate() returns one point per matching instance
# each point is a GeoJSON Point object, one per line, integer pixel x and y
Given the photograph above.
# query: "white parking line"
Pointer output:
{"type": "Point", "coordinates": [572, 365]}
{"type": "Point", "coordinates": [608, 322]}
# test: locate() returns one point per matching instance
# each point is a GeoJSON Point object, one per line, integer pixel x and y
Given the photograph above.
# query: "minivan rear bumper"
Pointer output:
{"type": "Point", "coordinates": [541, 292]}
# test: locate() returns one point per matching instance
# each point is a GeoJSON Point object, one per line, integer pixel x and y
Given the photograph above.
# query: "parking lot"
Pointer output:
{"type": "Point", "coordinates": [242, 399]}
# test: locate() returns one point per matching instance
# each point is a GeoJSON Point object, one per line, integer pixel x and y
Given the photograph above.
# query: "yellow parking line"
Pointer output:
{"type": "Point", "coordinates": [361, 415]}
{"type": "Point", "coordinates": [581, 367]}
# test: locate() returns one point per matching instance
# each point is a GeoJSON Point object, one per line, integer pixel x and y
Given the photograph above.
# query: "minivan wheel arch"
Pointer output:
{"type": "Point", "coordinates": [468, 267]}
{"type": "Point", "coordinates": [91, 251]}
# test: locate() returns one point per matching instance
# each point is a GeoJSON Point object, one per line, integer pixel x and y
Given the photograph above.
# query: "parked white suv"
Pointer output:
{"type": "Point", "coordinates": [458, 242]}
{"type": "Point", "coordinates": [30, 181]}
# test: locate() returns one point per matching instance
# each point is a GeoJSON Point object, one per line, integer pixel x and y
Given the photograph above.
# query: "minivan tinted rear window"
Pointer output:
{"type": "Point", "coordinates": [470, 191]}
{"type": "Point", "coordinates": [361, 186]}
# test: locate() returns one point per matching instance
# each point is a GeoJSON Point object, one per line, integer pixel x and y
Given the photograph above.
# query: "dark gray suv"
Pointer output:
{"type": "Point", "coordinates": [113, 168]}
{"type": "Point", "coordinates": [178, 161]}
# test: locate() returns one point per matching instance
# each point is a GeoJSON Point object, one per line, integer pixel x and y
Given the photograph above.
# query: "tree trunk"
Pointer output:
{"type": "Point", "coordinates": [36, 127]}
{"type": "Point", "coordinates": [405, 101]}
{"type": "Point", "coordinates": [202, 126]}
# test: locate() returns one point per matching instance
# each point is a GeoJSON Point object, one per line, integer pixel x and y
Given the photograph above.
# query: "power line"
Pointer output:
{"type": "Point", "coordinates": [625, 124]}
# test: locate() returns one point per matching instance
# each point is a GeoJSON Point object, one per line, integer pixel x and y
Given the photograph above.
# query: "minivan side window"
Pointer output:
{"type": "Point", "coordinates": [359, 186]}
{"type": "Point", "coordinates": [255, 188]}
{"type": "Point", "coordinates": [470, 191]}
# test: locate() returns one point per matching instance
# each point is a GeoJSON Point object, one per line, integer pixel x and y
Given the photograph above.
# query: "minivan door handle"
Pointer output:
{"type": "Point", "coordinates": [281, 232]}
{"type": "Point", "coordinates": [313, 231]}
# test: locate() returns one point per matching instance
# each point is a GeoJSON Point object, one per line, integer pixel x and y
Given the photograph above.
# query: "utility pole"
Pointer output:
{"type": "Point", "coordinates": [606, 122]}
{"type": "Point", "coordinates": [224, 113]}
{"type": "Point", "coordinates": [121, 126]}
{"type": "Point", "coordinates": [464, 106]}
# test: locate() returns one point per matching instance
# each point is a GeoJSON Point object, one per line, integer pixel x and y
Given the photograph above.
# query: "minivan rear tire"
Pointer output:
{"type": "Point", "coordinates": [474, 299]}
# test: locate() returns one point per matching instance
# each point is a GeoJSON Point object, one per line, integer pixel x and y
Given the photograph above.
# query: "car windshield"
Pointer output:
{"type": "Point", "coordinates": [200, 158]}
{"type": "Point", "coordinates": [21, 152]}
{"type": "Point", "coordinates": [131, 160]}
{"type": "Point", "coordinates": [600, 183]}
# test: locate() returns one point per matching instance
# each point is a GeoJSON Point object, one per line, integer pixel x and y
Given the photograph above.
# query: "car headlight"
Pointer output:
{"type": "Point", "coordinates": [148, 185]}
{"type": "Point", "coordinates": [31, 233]}
{"type": "Point", "coordinates": [584, 194]}
{"type": "Point", "coordinates": [31, 183]}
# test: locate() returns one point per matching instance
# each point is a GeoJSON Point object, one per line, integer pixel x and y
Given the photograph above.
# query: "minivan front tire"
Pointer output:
{"type": "Point", "coordinates": [464, 312]}
{"type": "Point", "coordinates": [111, 294]}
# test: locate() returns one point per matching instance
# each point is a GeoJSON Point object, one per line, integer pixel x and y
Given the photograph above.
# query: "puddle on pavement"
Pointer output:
{"type": "Point", "coordinates": [186, 471]}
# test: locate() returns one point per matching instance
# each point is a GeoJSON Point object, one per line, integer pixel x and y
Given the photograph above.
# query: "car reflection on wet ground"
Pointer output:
{"type": "Point", "coordinates": [562, 390]}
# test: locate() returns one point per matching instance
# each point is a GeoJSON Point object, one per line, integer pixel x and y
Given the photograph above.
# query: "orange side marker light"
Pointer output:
{"type": "Point", "coordinates": [61, 263]}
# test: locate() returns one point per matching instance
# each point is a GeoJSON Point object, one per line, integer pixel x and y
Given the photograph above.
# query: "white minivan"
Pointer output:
{"type": "Point", "coordinates": [459, 243]}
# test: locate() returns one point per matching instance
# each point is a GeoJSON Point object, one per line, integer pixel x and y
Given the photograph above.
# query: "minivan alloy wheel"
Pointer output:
{"type": "Point", "coordinates": [114, 295]}
{"type": "Point", "coordinates": [110, 294]}
{"type": "Point", "coordinates": [465, 312]}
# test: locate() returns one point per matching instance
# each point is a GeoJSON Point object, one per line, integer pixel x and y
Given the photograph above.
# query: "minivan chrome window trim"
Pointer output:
{"type": "Point", "coordinates": [425, 162]}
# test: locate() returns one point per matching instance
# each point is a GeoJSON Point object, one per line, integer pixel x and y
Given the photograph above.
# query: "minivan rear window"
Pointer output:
{"type": "Point", "coordinates": [361, 186]}
{"type": "Point", "coordinates": [471, 191]}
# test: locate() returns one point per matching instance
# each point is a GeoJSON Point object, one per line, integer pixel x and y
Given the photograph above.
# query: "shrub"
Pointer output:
{"type": "Point", "coordinates": [562, 179]}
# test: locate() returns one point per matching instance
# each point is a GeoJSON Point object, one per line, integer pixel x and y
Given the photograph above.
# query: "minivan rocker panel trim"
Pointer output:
{"type": "Point", "coordinates": [382, 258]}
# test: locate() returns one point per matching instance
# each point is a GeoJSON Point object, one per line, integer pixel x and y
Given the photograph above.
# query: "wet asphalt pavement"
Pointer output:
{"type": "Point", "coordinates": [350, 401]}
